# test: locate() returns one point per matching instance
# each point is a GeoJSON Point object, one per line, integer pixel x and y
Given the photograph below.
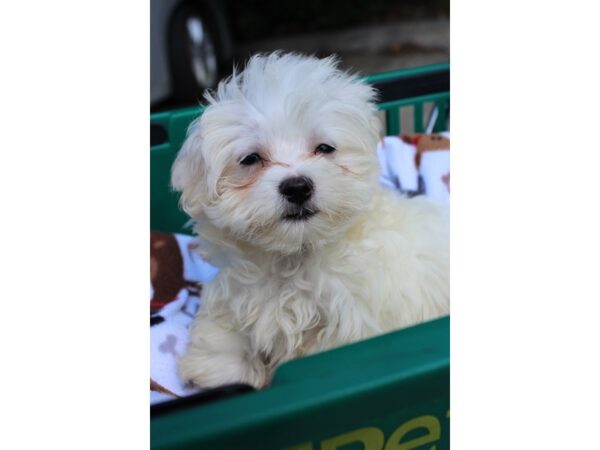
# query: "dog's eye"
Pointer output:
{"type": "Point", "coordinates": [250, 159]}
{"type": "Point", "coordinates": [324, 148]}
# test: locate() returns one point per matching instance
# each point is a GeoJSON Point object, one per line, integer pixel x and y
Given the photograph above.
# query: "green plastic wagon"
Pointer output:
{"type": "Point", "coordinates": [391, 392]}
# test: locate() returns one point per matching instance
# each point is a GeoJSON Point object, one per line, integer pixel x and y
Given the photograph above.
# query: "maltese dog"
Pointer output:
{"type": "Point", "coordinates": [280, 176]}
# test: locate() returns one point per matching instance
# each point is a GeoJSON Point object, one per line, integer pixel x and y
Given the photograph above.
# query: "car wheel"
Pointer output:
{"type": "Point", "coordinates": [199, 50]}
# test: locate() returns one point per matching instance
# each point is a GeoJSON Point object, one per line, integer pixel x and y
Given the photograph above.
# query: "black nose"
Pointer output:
{"type": "Point", "coordinates": [297, 189]}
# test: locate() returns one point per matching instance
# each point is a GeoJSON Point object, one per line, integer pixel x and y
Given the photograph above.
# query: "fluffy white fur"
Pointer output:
{"type": "Point", "coordinates": [367, 262]}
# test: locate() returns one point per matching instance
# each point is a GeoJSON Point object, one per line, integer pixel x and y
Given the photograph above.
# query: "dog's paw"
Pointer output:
{"type": "Point", "coordinates": [211, 370]}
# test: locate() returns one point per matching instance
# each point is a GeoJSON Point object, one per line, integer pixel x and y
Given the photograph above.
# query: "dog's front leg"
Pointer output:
{"type": "Point", "coordinates": [218, 355]}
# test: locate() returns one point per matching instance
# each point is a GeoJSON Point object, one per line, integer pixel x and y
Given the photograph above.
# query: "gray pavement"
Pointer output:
{"type": "Point", "coordinates": [370, 49]}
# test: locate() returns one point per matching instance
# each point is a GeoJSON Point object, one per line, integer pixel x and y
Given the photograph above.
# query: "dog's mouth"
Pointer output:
{"type": "Point", "coordinates": [301, 214]}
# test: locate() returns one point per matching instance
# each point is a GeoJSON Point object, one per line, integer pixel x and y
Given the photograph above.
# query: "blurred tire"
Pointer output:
{"type": "Point", "coordinates": [199, 49]}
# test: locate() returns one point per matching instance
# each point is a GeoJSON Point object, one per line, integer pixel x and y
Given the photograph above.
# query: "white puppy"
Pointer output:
{"type": "Point", "coordinates": [280, 175]}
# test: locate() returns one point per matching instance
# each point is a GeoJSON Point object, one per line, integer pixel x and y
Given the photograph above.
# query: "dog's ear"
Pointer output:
{"type": "Point", "coordinates": [188, 174]}
{"type": "Point", "coordinates": [370, 96]}
{"type": "Point", "coordinates": [362, 97]}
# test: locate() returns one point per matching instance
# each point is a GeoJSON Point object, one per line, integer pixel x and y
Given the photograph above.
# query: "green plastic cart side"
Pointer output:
{"type": "Point", "coordinates": [382, 392]}
{"type": "Point", "coordinates": [165, 213]}
{"type": "Point", "coordinates": [392, 109]}
{"type": "Point", "coordinates": [405, 73]}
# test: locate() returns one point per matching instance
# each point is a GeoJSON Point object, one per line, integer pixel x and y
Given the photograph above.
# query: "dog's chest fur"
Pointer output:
{"type": "Point", "coordinates": [367, 283]}
{"type": "Point", "coordinates": [289, 306]}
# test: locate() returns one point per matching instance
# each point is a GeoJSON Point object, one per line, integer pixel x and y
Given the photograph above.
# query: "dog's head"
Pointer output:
{"type": "Point", "coordinates": [283, 158]}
